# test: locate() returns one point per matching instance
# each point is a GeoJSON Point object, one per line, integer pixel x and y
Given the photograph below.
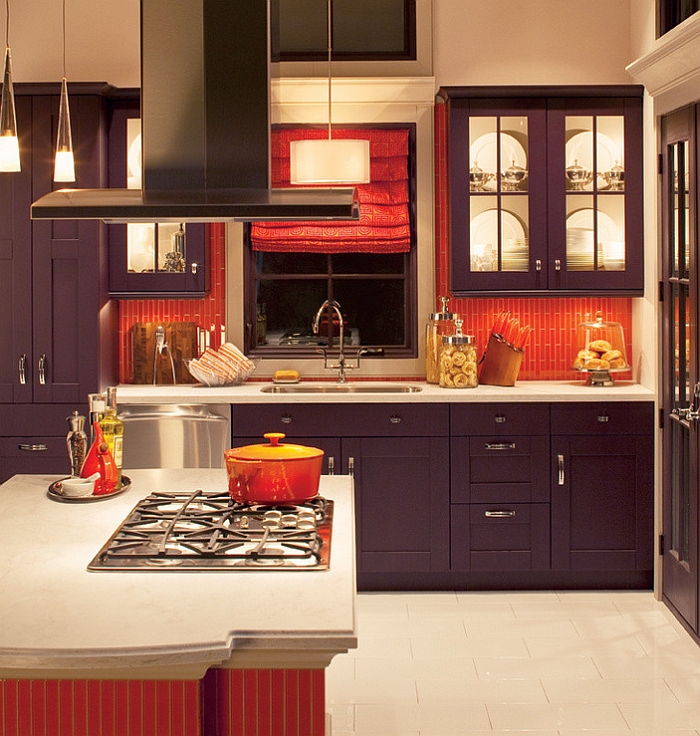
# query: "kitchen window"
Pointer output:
{"type": "Point", "coordinates": [368, 268]}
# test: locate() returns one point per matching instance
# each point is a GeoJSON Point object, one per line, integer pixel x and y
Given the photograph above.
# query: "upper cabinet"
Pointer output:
{"type": "Point", "coordinates": [545, 189]}
{"type": "Point", "coordinates": [149, 259]}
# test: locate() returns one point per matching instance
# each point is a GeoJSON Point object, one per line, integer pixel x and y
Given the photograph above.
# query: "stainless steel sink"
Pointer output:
{"type": "Point", "coordinates": [340, 388]}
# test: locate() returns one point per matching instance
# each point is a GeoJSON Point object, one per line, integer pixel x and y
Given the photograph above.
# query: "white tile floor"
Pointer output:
{"type": "Point", "coordinates": [549, 663]}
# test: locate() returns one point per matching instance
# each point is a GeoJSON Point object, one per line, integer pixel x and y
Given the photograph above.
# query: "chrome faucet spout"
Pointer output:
{"type": "Point", "coordinates": [332, 305]}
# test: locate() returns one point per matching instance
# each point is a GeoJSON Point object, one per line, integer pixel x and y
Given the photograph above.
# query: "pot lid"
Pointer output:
{"type": "Point", "coordinates": [275, 450]}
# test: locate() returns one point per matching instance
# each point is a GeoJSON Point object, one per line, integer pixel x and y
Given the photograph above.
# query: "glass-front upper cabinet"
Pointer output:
{"type": "Point", "coordinates": [545, 192]}
{"type": "Point", "coordinates": [154, 258]}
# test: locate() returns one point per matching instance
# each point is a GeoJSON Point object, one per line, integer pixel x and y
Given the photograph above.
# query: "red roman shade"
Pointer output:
{"type": "Point", "coordinates": [384, 225]}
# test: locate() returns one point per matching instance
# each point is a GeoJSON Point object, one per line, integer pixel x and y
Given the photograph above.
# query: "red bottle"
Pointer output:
{"type": "Point", "coordinates": [99, 460]}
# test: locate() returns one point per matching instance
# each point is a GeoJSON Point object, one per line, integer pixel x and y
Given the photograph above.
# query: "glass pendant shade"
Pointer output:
{"type": "Point", "coordinates": [329, 161]}
{"type": "Point", "coordinates": [64, 167]}
{"type": "Point", "coordinates": [9, 144]}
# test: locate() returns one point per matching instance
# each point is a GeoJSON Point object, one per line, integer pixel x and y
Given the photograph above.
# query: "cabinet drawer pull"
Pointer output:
{"type": "Point", "coordinates": [22, 368]}
{"type": "Point", "coordinates": [560, 470]}
{"type": "Point", "coordinates": [38, 447]}
{"type": "Point", "coordinates": [603, 418]}
{"type": "Point", "coordinates": [331, 465]}
{"type": "Point", "coordinates": [194, 266]}
{"type": "Point", "coordinates": [499, 445]}
{"type": "Point", "coordinates": [286, 419]}
{"type": "Point", "coordinates": [351, 467]}
{"type": "Point", "coordinates": [500, 419]}
{"type": "Point", "coordinates": [538, 265]}
{"type": "Point", "coordinates": [42, 370]}
{"type": "Point", "coordinates": [500, 514]}
{"type": "Point", "coordinates": [395, 419]}
{"type": "Point", "coordinates": [557, 265]}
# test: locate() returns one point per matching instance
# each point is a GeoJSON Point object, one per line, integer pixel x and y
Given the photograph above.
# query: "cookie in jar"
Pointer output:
{"type": "Point", "coordinates": [457, 363]}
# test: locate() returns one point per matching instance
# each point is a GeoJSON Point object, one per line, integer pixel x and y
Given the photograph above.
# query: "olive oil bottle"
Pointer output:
{"type": "Point", "coordinates": [113, 431]}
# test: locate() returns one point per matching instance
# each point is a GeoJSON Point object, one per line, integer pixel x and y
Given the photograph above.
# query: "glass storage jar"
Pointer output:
{"type": "Point", "coordinates": [600, 350]}
{"type": "Point", "coordinates": [439, 324]}
{"type": "Point", "coordinates": [457, 363]}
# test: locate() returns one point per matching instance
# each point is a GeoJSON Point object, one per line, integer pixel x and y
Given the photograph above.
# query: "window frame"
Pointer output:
{"type": "Point", "coordinates": [409, 348]}
{"type": "Point", "coordinates": [671, 13]}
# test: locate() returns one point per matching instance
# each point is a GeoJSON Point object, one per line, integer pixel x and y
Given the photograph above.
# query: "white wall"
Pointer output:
{"type": "Point", "coordinates": [531, 41]}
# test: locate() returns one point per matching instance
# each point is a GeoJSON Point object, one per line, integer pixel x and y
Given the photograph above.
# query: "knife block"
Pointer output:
{"type": "Point", "coordinates": [501, 363]}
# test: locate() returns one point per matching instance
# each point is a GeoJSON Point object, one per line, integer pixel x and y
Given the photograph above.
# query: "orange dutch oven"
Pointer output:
{"type": "Point", "coordinates": [273, 473]}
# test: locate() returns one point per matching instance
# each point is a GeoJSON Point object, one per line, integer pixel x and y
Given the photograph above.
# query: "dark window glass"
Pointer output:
{"type": "Point", "coordinates": [673, 12]}
{"type": "Point", "coordinates": [363, 30]}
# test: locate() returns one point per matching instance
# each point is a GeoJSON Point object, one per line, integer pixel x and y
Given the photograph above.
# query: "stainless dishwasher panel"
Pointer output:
{"type": "Point", "coordinates": [175, 435]}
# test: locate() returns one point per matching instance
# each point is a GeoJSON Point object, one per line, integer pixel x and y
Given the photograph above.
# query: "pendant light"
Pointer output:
{"type": "Point", "coordinates": [9, 144]}
{"type": "Point", "coordinates": [64, 166]}
{"type": "Point", "coordinates": [326, 160]}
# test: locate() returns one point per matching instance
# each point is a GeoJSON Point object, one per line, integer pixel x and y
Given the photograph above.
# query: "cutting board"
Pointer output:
{"type": "Point", "coordinates": [181, 339]}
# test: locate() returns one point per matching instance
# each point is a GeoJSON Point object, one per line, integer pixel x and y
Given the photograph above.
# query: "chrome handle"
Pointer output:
{"type": "Point", "coordinates": [42, 370]}
{"type": "Point", "coordinates": [286, 419]}
{"type": "Point", "coordinates": [538, 265]}
{"type": "Point", "coordinates": [395, 419]}
{"type": "Point", "coordinates": [560, 470]}
{"type": "Point", "coordinates": [499, 419]}
{"type": "Point", "coordinates": [331, 465]}
{"type": "Point", "coordinates": [499, 445]}
{"type": "Point", "coordinates": [603, 418]}
{"type": "Point", "coordinates": [194, 266]}
{"type": "Point", "coordinates": [27, 447]}
{"type": "Point", "coordinates": [351, 467]}
{"type": "Point", "coordinates": [22, 367]}
{"type": "Point", "coordinates": [557, 265]}
{"type": "Point", "coordinates": [500, 514]}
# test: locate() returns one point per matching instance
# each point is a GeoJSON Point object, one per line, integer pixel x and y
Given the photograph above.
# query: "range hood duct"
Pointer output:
{"type": "Point", "coordinates": [205, 126]}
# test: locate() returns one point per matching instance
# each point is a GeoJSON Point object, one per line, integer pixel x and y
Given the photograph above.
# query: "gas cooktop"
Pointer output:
{"type": "Point", "coordinates": [205, 530]}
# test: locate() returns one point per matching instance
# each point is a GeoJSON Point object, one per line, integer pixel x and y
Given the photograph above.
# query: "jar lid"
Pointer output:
{"type": "Point", "coordinates": [599, 324]}
{"type": "Point", "coordinates": [444, 313]}
{"type": "Point", "coordinates": [275, 450]}
{"type": "Point", "coordinates": [458, 338]}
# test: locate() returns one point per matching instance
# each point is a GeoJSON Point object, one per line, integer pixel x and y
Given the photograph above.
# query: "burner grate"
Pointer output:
{"type": "Point", "coordinates": [205, 530]}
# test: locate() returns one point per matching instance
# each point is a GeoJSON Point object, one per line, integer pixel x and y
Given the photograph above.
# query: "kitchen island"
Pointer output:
{"type": "Point", "coordinates": [219, 652]}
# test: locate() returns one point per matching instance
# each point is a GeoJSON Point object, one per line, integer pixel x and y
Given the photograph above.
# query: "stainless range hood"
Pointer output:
{"type": "Point", "coordinates": [205, 126]}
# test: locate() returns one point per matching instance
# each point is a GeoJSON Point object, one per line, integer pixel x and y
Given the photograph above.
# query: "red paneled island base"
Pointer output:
{"type": "Point", "coordinates": [244, 702]}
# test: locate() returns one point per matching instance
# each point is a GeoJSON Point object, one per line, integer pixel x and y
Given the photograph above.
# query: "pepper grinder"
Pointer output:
{"type": "Point", "coordinates": [76, 441]}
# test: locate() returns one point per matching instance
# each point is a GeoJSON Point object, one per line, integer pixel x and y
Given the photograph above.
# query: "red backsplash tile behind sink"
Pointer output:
{"type": "Point", "coordinates": [549, 352]}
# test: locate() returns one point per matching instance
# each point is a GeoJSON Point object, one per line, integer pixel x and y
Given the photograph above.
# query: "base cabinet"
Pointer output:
{"type": "Point", "coordinates": [486, 496]}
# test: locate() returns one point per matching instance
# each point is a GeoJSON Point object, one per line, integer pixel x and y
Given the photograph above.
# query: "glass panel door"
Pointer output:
{"type": "Point", "coordinates": [680, 367]}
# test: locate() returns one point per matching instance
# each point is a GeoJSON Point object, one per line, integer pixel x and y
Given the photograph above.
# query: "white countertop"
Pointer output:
{"type": "Point", "coordinates": [59, 620]}
{"type": "Point", "coordinates": [250, 393]}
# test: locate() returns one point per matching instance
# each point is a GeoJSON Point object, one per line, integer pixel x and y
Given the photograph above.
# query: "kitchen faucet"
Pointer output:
{"type": "Point", "coordinates": [342, 365]}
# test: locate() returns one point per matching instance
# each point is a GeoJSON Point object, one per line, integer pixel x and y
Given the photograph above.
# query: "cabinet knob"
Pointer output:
{"type": "Point", "coordinates": [286, 419]}
{"type": "Point", "coordinates": [395, 419]}
{"type": "Point", "coordinates": [499, 419]}
{"type": "Point", "coordinates": [603, 418]}
{"type": "Point", "coordinates": [194, 266]}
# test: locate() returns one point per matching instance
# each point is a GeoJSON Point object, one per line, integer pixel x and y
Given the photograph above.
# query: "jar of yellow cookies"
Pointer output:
{"type": "Point", "coordinates": [457, 363]}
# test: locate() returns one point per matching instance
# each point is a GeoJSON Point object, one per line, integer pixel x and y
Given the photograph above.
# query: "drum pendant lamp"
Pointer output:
{"type": "Point", "coordinates": [326, 160]}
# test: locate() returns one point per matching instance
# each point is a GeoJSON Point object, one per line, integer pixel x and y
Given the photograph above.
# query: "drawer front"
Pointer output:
{"type": "Point", "coordinates": [341, 420]}
{"type": "Point", "coordinates": [43, 454]}
{"type": "Point", "coordinates": [500, 537]}
{"type": "Point", "coordinates": [499, 419]}
{"type": "Point", "coordinates": [511, 469]}
{"type": "Point", "coordinates": [600, 418]}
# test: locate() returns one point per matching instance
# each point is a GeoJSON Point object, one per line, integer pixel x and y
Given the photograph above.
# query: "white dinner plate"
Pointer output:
{"type": "Point", "coordinates": [579, 149]}
{"type": "Point", "coordinates": [484, 152]}
{"type": "Point", "coordinates": [584, 219]}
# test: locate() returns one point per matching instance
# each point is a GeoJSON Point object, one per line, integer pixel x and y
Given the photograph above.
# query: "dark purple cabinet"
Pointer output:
{"type": "Point", "coordinates": [58, 328]}
{"type": "Point", "coordinates": [602, 487]}
{"type": "Point", "coordinates": [545, 189]}
{"type": "Point", "coordinates": [398, 455]}
{"type": "Point", "coordinates": [125, 282]}
{"type": "Point", "coordinates": [499, 513]}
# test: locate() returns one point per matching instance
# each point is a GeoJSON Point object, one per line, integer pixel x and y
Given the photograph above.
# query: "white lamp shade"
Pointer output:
{"type": "Point", "coordinates": [64, 166]}
{"type": "Point", "coordinates": [9, 153]}
{"type": "Point", "coordinates": [324, 161]}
